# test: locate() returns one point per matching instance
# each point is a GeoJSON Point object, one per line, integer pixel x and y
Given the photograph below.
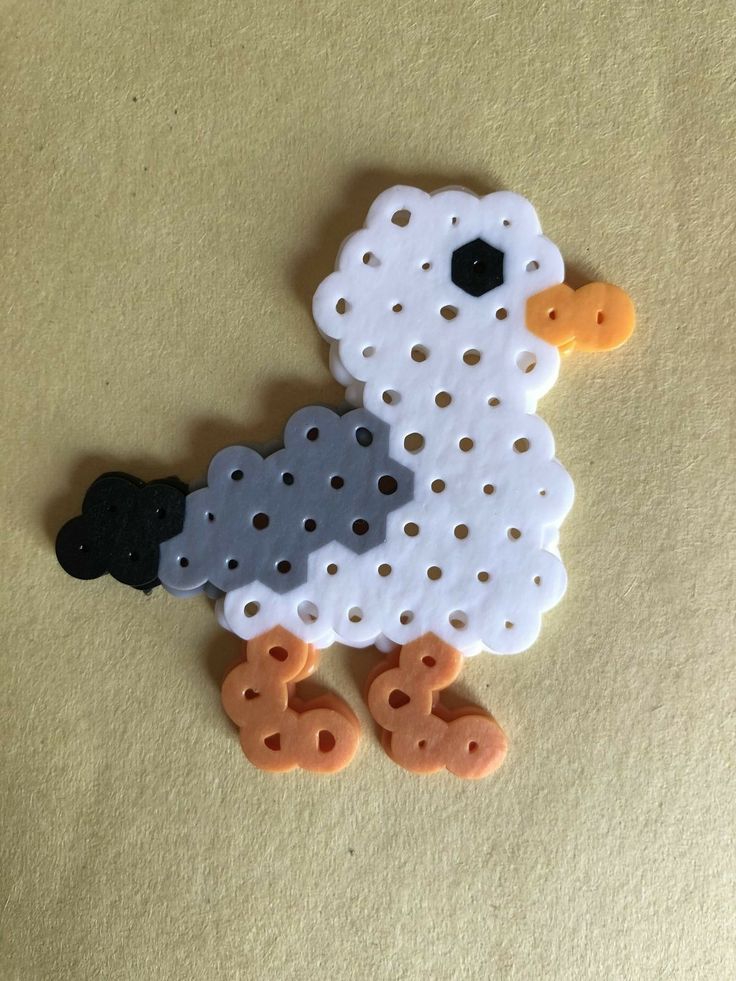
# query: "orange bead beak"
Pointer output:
{"type": "Point", "coordinates": [596, 317]}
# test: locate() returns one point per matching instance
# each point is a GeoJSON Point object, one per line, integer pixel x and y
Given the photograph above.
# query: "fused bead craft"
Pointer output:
{"type": "Point", "coordinates": [426, 318]}
{"type": "Point", "coordinates": [424, 521]}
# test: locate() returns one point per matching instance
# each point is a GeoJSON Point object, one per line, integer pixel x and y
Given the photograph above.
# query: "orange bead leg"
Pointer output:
{"type": "Point", "coordinates": [421, 734]}
{"type": "Point", "coordinates": [278, 731]}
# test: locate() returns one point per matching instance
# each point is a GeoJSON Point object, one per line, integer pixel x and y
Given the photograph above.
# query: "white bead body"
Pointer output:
{"type": "Point", "coordinates": [473, 557]}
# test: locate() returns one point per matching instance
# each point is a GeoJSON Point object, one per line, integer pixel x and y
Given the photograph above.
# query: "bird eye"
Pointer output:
{"type": "Point", "coordinates": [477, 267]}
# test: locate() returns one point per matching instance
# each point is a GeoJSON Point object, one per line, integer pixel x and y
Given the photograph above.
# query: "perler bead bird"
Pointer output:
{"type": "Point", "coordinates": [424, 521]}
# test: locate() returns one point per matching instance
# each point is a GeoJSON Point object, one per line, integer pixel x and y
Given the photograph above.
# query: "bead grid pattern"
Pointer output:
{"type": "Point", "coordinates": [425, 316]}
{"type": "Point", "coordinates": [258, 519]}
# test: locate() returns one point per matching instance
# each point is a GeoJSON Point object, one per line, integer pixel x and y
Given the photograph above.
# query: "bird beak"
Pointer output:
{"type": "Point", "coordinates": [596, 317]}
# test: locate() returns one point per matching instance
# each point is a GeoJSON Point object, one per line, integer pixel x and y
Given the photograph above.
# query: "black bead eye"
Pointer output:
{"type": "Point", "coordinates": [477, 267]}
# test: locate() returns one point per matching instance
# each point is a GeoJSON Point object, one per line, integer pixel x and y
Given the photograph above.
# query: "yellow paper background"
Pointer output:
{"type": "Point", "coordinates": [176, 177]}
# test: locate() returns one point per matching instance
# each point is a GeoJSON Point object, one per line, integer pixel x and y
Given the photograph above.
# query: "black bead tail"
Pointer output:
{"type": "Point", "coordinates": [122, 524]}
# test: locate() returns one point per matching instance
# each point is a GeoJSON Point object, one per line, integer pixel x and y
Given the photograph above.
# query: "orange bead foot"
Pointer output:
{"type": "Point", "coordinates": [278, 731]}
{"type": "Point", "coordinates": [419, 733]}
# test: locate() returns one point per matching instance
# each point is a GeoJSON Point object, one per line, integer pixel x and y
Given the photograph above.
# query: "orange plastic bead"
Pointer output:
{"type": "Point", "coordinates": [419, 733]}
{"type": "Point", "coordinates": [596, 317]}
{"type": "Point", "coordinates": [279, 732]}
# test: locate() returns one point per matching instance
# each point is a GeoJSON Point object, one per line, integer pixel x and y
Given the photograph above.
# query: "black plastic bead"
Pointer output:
{"type": "Point", "coordinates": [477, 267]}
{"type": "Point", "coordinates": [122, 524]}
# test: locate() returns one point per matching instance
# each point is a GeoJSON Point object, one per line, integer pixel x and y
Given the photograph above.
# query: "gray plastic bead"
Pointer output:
{"type": "Point", "coordinates": [259, 519]}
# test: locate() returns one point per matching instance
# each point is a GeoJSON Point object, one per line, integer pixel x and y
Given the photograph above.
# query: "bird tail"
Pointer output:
{"type": "Point", "coordinates": [123, 522]}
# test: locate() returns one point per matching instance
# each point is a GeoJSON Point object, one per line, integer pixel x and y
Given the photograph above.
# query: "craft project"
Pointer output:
{"type": "Point", "coordinates": [425, 521]}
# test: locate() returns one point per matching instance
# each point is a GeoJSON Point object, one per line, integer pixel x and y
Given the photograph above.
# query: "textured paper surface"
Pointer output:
{"type": "Point", "coordinates": [176, 180]}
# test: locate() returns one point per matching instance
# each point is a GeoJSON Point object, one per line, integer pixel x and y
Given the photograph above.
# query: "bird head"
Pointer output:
{"type": "Point", "coordinates": [431, 278]}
